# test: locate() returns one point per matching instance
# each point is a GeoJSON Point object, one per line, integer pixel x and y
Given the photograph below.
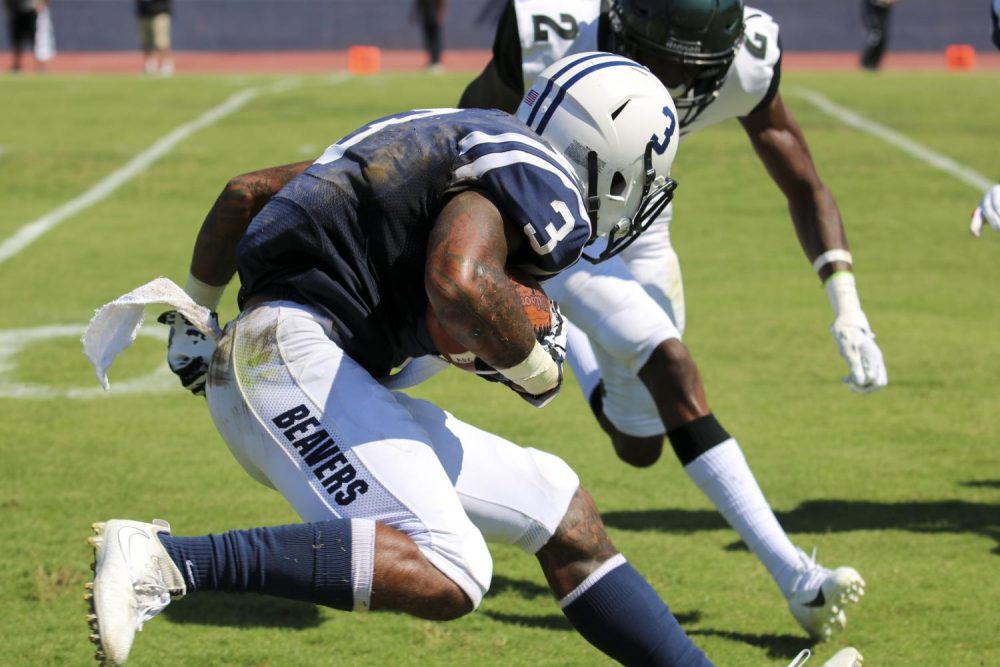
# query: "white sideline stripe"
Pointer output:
{"type": "Point", "coordinates": [929, 157]}
{"type": "Point", "coordinates": [30, 232]}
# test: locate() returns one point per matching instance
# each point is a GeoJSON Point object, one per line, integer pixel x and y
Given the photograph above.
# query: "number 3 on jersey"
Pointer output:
{"type": "Point", "coordinates": [555, 234]}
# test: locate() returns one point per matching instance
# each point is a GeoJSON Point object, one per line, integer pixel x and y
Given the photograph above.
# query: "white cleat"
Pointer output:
{"type": "Point", "coordinates": [845, 657]}
{"type": "Point", "coordinates": [134, 580]}
{"type": "Point", "coordinates": [818, 597]}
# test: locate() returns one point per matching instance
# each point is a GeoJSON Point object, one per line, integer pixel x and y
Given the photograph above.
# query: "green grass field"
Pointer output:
{"type": "Point", "coordinates": [904, 484]}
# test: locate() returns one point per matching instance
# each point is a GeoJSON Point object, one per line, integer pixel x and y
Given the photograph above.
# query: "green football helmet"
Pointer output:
{"type": "Point", "coordinates": [688, 44]}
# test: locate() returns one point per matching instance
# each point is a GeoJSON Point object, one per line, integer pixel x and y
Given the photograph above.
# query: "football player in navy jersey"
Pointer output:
{"type": "Point", "coordinates": [720, 61]}
{"type": "Point", "coordinates": [399, 498]}
{"type": "Point", "coordinates": [626, 315]}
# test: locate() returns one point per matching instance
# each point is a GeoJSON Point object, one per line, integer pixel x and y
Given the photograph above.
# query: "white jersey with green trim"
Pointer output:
{"type": "Point", "coordinates": [749, 78]}
{"type": "Point", "coordinates": [552, 29]}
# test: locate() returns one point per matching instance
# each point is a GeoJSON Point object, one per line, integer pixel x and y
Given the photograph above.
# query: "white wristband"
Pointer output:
{"type": "Point", "coordinates": [830, 256]}
{"type": "Point", "coordinates": [537, 374]}
{"type": "Point", "coordinates": [843, 293]}
{"type": "Point", "coordinates": [203, 293]}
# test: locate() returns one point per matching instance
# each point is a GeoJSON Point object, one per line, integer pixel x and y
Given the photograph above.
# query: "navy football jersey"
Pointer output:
{"type": "Point", "coordinates": [348, 236]}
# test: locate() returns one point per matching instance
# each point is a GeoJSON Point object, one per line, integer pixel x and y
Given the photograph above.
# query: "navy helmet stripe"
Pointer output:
{"type": "Point", "coordinates": [562, 90]}
{"type": "Point", "coordinates": [552, 80]}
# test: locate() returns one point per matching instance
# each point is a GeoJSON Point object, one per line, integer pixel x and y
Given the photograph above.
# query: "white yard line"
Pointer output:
{"type": "Point", "coordinates": [929, 157]}
{"type": "Point", "coordinates": [30, 232]}
{"type": "Point", "coordinates": [13, 341]}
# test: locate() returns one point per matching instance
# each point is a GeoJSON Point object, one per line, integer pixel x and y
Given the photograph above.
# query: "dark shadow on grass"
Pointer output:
{"type": "Point", "coordinates": [546, 622]}
{"type": "Point", "coordinates": [243, 611]}
{"type": "Point", "coordinates": [520, 587]}
{"type": "Point", "coordinates": [835, 516]}
{"type": "Point", "coordinates": [982, 483]}
{"type": "Point", "coordinates": [783, 647]}
{"type": "Point", "coordinates": [559, 622]}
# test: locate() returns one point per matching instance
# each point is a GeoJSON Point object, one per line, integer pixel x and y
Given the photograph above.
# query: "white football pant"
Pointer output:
{"type": "Point", "coordinates": [305, 419]}
{"type": "Point", "coordinates": [626, 306]}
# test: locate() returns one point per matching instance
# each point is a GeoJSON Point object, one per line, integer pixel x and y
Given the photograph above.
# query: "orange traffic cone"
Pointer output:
{"type": "Point", "coordinates": [960, 57]}
{"type": "Point", "coordinates": [364, 60]}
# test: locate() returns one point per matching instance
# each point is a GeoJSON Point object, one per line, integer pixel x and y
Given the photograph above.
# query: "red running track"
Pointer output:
{"type": "Point", "coordinates": [320, 62]}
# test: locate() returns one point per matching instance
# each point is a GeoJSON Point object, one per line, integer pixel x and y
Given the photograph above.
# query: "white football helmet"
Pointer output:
{"type": "Point", "coordinates": [617, 126]}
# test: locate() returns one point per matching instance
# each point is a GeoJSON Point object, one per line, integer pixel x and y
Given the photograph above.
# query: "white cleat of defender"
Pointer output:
{"type": "Point", "coordinates": [134, 579]}
{"type": "Point", "coordinates": [845, 657]}
{"type": "Point", "coordinates": [818, 597]}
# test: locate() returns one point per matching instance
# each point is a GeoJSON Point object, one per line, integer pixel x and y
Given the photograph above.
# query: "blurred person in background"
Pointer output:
{"type": "Point", "coordinates": [45, 37]}
{"type": "Point", "coordinates": [875, 14]}
{"type": "Point", "coordinates": [989, 208]}
{"type": "Point", "coordinates": [995, 12]}
{"type": "Point", "coordinates": [430, 15]}
{"type": "Point", "coordinates": [22, 22]}
{"type": "Point", "coordinates": [154, 35]}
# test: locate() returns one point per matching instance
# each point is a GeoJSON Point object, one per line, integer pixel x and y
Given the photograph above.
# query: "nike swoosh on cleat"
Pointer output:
{"type": "Point", "coordinates": [817, 601]}
{"type": "Point", "coordinates": [125, 536]}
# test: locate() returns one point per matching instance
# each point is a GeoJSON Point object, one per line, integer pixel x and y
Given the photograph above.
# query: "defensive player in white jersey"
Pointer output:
{"type": "Point", "coordinates": [988, 210]}
{"type": "Point", "coordinates": [720, 61]}
{"type": "Point", "coordinates": [420, 209]}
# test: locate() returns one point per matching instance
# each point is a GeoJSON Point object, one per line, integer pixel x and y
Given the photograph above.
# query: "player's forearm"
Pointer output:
{"type": "Point", "coordinates": [779, 142]}
{"type": "Point", "coordinates": [471, 295]}
{"type": "Point", "coordinates": [819, 230]}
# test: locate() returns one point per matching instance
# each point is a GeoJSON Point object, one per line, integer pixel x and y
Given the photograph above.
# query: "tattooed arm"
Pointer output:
{"type": "Point", "coordinates": [214, 260]}
{"type": "Point", "coordinates": [470, 293]}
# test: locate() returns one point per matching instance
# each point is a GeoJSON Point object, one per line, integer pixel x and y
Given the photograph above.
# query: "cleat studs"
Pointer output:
{"type": "Point", "coordinates": [88, 596]}
{"type": "Point", "coordinates": [89, 585]}
{"type": "Point", "coordinates": [98, 526]}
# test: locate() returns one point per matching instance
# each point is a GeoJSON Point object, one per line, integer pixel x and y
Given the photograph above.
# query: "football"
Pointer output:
{"type": "Point", "coordinates": [536, 306]}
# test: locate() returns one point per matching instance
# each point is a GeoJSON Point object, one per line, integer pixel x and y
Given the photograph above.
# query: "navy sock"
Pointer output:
{"type": "Point", "coordinates": [309, 562]}
{"type": "Point", "coordinates": [623, 616]}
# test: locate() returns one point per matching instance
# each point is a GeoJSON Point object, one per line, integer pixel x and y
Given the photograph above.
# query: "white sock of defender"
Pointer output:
{"type": "Point", "coordinates": [580, 356]}
{"type": "Point", "coordinates": [723, 474]}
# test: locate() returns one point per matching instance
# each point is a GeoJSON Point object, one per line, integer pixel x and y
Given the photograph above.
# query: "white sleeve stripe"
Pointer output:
{"type": "Point", "coordinates": [477, 138]}
{"type": "Point", "coordinates": [480, 166]}
{"type": "Point", "coordinates": [337, 150]}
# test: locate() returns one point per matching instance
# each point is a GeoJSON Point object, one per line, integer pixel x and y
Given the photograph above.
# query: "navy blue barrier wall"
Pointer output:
{"type": "Point", "coordinates": [917, 25]}
{"type": "Point", "coordinates": [248, 25]}
{"type": "Point", "coordinates": [268, 25]}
